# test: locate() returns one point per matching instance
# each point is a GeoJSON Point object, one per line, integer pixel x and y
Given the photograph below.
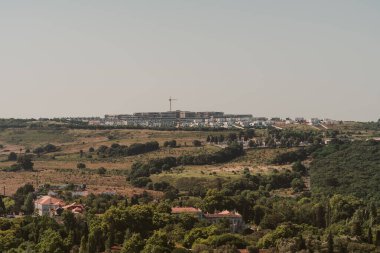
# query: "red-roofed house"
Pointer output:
{"type": "Point", "coordinates": [74, 208]}
{"type": "Point", "coordinates": [47, 205]}
{"type": "Point", "coordinates": [187, 210]}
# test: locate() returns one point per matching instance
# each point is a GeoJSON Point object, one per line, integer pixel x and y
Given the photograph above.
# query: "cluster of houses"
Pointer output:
{"type": "Point", "coordinates": [52, 206]}
{"type": "Point", "coordinates": [187, 119]}
{"type": "Point", "coordinates": [179, 119]}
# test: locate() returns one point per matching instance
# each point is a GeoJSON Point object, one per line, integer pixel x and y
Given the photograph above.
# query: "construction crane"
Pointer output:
{"type": "Point", "coordinates": [170, 102]}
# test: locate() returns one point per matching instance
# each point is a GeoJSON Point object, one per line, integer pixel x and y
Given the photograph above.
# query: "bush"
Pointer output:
{"type": "Point", "coordinates": [81, 166]}
{"type": "Point", "coordinates": [170, 144]}
{"type": "Point", "coordinates": [102, 171]}
{"type": "Point", "coordinates": [117, 150]}
{"type": "Point", "coordinates": [141, 181]}
{"type": "Point", "coordinates": [49, 148]}
{"type": "Point", "coordinates": [12, 156]}
{"type": "Point", "coordinates": [298, 185]}
{"type": "Point", "coordinates": [25, 162]}
{"type": "Point", "coordinates": [197, 143]}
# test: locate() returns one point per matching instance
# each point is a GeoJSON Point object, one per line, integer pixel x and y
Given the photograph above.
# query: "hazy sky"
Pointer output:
{"type": "Point", "coordinates": [268, 58]}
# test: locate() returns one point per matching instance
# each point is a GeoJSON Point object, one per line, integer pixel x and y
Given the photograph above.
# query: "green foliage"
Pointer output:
{"type": "Point", "coordinates": [133, 244]}
{"type": "Point", "coordinates": [25, 163]}
{"type": "Point", "coordinates": [51, 242]}
{"type": "Point", "coordinates": [170, 144]}
{"type": "Point", "coordinates": [197, 234]}
{"type": "Point", "coordinates": [81, 166]}
{"type": "Point", "coordinates": [298, 185]}
{"type": "Point", "coordinates": [216, 200]}
{"type": "Point", "coordinates": [197, 143]}
{"type": "Point", "coordinates": [20, 195]}
{"type": "Point", "coordinates": [347, 169]}
{"type": "Point", "coordinates": [101, 171]}
{"type": "Point", "coordinates": [117, 150]}
{"type": "Point", "coordinates": [140, 181]}
{"type": "Point", "coordinates": [281, 232]}
{"type": "Point", "coordinates": [299, 168]}
{"type": "Point", "coordinates": [49, 148]}
{"type": "Point", "coordinates": [2, 207]}
{"type": "Point", "coordinates": [330, 243]}
{"type": "Point", "coordinates": [164, 164]}
{"type": "Point", "coordinates": [225, 239]}
{"type": "Point", "coordinates": [12, 156]}
{"type": "Point", "coordinates": [28, 206]}
{"type": "Point", "coordinates": [158, 243]}
{"type": "Point", "coordinates": [291, 156]}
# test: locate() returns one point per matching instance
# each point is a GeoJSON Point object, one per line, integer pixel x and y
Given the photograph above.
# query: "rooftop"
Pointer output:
{"type": "Point", "coordinates": [185, 210]}
{"type": "Point", "coordinates": [48, 200]}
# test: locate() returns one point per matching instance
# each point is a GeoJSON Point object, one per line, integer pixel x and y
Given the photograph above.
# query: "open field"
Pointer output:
{"type": "Point", "coordinates": [61, 167]}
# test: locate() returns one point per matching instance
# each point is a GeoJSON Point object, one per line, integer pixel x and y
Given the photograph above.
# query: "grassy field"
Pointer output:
{"type": "Point", "coordinates": [61, 167]}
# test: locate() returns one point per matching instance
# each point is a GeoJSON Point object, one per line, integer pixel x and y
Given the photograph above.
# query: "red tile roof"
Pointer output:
{"type": "Point", "coordinates": [47, 200]}
{"type": "Point", "coordinates": [75, 208]}
{"type": "Point", "coordinates": [177, 210]}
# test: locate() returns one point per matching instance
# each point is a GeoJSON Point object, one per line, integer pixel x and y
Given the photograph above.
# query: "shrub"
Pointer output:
{"type": "Point", "coordinates": [12, 156]}
{"type": "Point", "coordinates": [102, 171]}
{"type": "Point", "coordinates": [197, 143]}
{"type": "Point", "coordinates": [81, 166]}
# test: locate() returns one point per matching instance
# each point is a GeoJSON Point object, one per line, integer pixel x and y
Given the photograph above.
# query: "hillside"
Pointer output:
{"type": "Point", "coordinates": [352, 168]}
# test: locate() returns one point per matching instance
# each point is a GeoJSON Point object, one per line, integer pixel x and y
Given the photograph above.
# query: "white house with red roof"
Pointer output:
{"type": "Point", "coordinates": [47, 205]}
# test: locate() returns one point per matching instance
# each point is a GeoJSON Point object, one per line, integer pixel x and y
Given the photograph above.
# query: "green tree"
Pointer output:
{"type": "Point", "coordinates": [28, 206]}
{"type": "Point", "coordinates": [25, 163]}
{"type": "Point", "coordinates": [357, 229]}
{"type": "Point", "coordinates": [377, 242]}
{"type": "Point", "coordinates": [158, 243]}
{"type": "Point", "coordinates": [133, 244]}
{"type": "Point", "coordinates": [330, 243]}
{"type": "Point", "coordinates": [2, 207]}
{"type": "Point", "coordinates": [216, 200]}
{"type": "Point", "coordinates": [83, 245]}
{"type": "Point", "coordinates": [81, 166]}
{"type": "Point", "coordinates": [9, 204]}
{"type": "Point", "coordinates": [197, 143]}
{"type": "Point", "coordinates": [370, 239]}
{"type": "Point", "coordinates": [69, 220]}
{"type": "Point", "coordinates": [259, 213]}
{"type": "Point", "coordinates": [298, 185]}
{"type": "Point", "coordinates": [299, 168]}
{"type": "Point", "coordinates": [12, 156]}
{"type": "Point", "coordinates": [102, 171]}
{"type": "Point", "coordinates": [50, 242]}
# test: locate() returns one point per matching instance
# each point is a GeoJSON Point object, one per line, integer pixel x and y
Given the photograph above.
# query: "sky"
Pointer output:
{"type": "Point", "coordinates": [267, 58]}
